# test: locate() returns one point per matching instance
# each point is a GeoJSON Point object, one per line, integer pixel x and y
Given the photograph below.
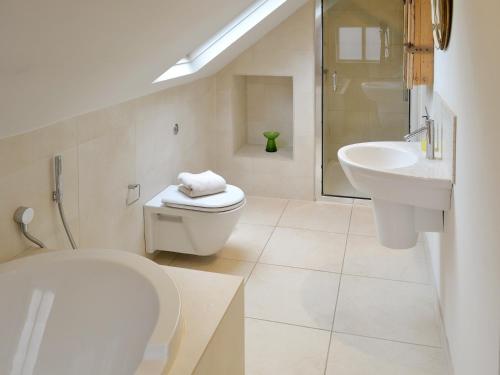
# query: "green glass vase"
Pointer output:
{"type": "Point", "coordinates": [271, 141]}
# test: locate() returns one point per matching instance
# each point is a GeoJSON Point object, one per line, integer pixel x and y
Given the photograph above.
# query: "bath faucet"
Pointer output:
{"type": "Point", "coordinates": [428, 129]}
{"type": "Point", "coordinates": [23, 216]}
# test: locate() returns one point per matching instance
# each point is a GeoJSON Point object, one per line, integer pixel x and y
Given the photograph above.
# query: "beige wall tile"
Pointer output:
{"type": "Point", "coordinates": [269, 104]}
{"type": "Point", "coordinates": [32, 186]}
{"type": "Point", "coordinates": [133, 142]}
{"type": "Point", "coordinates": [287, 51]}
{"type": "Point", "coordinates": [225, 353]}
{"type": "Point", "coordinates": [103, 152]}
{"type": "Point", "coordinates": [21, 151]}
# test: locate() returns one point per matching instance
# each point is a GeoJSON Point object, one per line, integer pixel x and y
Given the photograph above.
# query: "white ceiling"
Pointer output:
{"type": "Point", "coordinates": [61, 58]}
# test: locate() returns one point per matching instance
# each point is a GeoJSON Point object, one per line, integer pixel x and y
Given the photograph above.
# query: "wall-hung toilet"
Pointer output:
{"type": "Point", "coordinates": [201, 226]}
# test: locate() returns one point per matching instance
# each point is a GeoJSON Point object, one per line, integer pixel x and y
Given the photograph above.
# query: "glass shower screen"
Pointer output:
{"type": "Point", "coordinates": [364, 98]}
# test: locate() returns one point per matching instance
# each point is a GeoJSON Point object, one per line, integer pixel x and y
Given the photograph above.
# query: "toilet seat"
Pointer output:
{"type": "Point", "coordinates": [228, 200]}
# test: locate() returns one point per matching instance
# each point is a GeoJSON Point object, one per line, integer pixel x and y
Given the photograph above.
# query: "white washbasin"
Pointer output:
{"type": "Point", "coordinates": [86, 312]}
{"type": "Point", "coordinates": [378, 156]}
{"type": "Point", "coordinates": [409, 192]}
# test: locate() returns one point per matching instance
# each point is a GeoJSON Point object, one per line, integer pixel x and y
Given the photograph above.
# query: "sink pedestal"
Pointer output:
{"type": "Point", "coordinates": [409, 192]}
{"type": "Point", "coordinates": [398, 224]}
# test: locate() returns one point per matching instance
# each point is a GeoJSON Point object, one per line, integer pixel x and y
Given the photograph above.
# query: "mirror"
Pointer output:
{"type": "Point", "coordinates": [441, 22]}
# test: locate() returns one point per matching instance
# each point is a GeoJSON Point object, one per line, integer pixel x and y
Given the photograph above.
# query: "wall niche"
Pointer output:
{"type": "Point", "coordinates": [259, 104]}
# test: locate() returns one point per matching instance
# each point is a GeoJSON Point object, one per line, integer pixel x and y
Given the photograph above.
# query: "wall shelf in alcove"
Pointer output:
{"type": "Point", "coordinates": [259, 104]}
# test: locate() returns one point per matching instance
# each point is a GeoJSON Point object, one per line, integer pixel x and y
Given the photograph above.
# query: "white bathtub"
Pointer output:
{"type": "Point", "coordinates": [86, 312]}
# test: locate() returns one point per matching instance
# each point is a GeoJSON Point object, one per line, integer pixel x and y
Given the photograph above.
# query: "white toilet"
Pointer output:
{"type": "Point", "coordinates": [201, 226]}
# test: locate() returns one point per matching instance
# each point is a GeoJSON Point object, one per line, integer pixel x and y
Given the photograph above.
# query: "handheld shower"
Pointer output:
{"type": "Point", "coordinates": [57, 196]}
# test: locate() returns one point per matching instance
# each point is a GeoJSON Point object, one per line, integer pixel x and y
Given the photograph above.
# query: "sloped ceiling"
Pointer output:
{"type": "Point", "coordinates": [61, 58]}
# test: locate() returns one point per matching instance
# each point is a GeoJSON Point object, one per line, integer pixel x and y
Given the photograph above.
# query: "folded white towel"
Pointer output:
{"type": "Point", "coordinates": [197, 185]}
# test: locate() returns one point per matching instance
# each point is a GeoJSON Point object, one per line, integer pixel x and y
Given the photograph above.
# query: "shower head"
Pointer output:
{"type": "Point", "coordinates": [57, 196]}
{"type": "Point", "coordinates": [58, 164]}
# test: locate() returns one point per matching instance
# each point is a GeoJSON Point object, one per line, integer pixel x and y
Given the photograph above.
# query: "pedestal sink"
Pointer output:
{"type": "Point", "coordinates": [409, 192]}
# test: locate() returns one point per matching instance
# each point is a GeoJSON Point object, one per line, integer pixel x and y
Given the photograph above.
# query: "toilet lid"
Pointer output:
{"type": "Point", "coordinates": [232, 198]}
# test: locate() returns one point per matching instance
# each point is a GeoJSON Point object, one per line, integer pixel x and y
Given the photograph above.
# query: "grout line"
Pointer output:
{"type": "Point", "coordinates": [282, 212]}
{"type": "Point", "coordinates": [255, 224]}
{"type": "Point", "coordinates": [390, 340]}
{"type": "Point", "coordinates": [364, 235]}
{"type": "Point", "coordinates": [214, 257]}
{"type": "Point", "coordinates": [312, 230]}
{"type": "Point", "coordinates": [387, 279]}
{"type": "Point", "coordinates": [338, 290]}
{"type": "Point", "coordinates": [288, 324]}
{"type": "Point", "coordinates": [375, 236]}
{"type": "Point", "coordinates": [318, 270]}
{"type": "Point", "coordinates": [265, 245]}
{"type": "Point", "coordinates": [236, 260]}
{"type": "Point", "coordinates": [299, 268]}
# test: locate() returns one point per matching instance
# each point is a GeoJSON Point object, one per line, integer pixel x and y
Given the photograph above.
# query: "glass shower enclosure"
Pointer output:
{"type": "Point", "coordinates": [363, 95]}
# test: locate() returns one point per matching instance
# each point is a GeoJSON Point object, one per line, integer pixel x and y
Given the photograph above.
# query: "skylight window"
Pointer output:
{"type": "Point", "coordinates": [213, 47]}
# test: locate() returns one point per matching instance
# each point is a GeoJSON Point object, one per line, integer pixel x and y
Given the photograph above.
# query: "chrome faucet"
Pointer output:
{"type": "Point", "coordinates": [428, 129]}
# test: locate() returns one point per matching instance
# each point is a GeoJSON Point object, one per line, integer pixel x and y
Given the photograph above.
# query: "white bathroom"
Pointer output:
{"type": "Point", "coordinates": [271, 187]}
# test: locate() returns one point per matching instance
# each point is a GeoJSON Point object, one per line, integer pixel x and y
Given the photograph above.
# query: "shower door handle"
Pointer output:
{"type": "Point", "coordinates": [334, 81]}
{"type": "Point", "coordinates": [406, 95]}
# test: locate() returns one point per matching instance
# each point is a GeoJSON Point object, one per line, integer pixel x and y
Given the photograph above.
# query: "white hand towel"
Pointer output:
{"type": "Point", "coordinates": [197, 185]}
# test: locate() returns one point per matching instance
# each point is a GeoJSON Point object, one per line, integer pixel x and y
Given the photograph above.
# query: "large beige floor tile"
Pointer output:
{"type": "Point", "coordinates": [291, 295]}
{"type": "Point", "coordinates": [282, 349]}
{"type": "Point", "coordinates": [354, 355]}
{"type": "Point", "coordinates": [306, 249]}
{"type": "Point", "coordinates": [366, 257]}
{"type": "Point", "coordinates": [387, 309]}
{"type": "Point", "coordinates": [330, 217]}
{"type": "Point", "coordinates": [214, 264]}
{"type": "Point", "coordinates": [246, 242]}
{"type": "Point", "coordinates": [362, 220]}
{"type": "Point", "coordinates": [265, 211]}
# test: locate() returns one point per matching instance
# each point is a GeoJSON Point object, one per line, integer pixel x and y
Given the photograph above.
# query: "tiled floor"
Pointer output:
{"type": "Point", "coordinates": [323, 297]}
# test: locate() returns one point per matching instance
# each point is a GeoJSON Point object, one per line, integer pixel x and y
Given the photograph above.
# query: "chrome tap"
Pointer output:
{"type": "Point", "coordinates": [428, 129]}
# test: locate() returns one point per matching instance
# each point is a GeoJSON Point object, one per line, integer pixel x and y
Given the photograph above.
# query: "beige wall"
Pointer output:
{"type": "Point", "coordinates": [466, 258]}
{"type": "Point", "coordinates": [133, 142]}
{"type": "Point", "coordinates": [103, 152]}
{"type": "Point", "coordinates": [285, 51]}
{"type": "Point", "coordinates": [269, 102]}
